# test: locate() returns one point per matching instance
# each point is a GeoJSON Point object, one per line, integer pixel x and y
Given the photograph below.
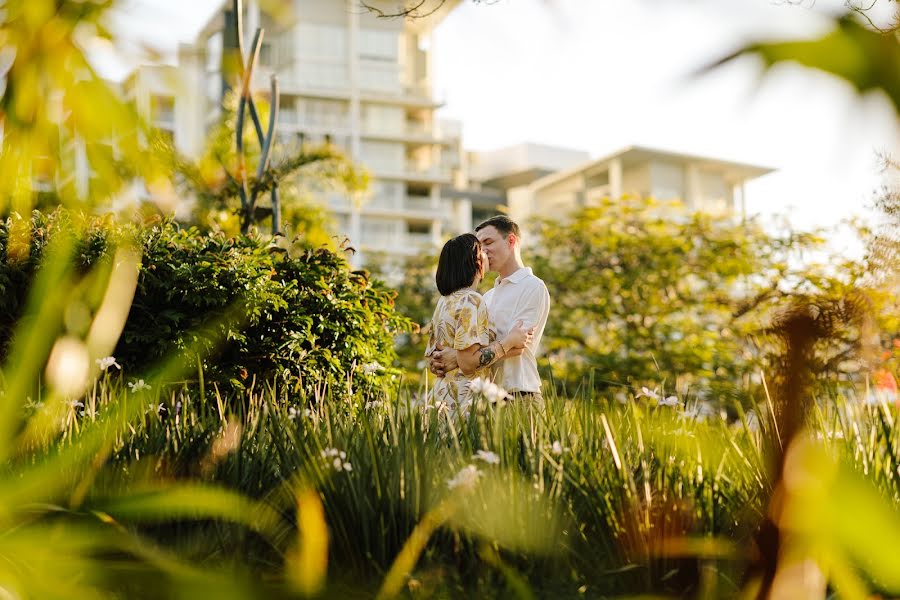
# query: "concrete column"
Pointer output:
{"type": "Point", "coordinates": [615, 178]}
{"type": "Point", "coordinates": [462, 213]}
{"type": "Point", "coordinates": [522, 204]}
{"type": "Point", "coordinates": [190, 101]}
{"type": "Point", "coordinates": [355, 150]}
{"type": "Point", "coordinates": [251, 23]}
{"type": "Point", "coordinates": [692, 192]}
{"type": "Point", "coordinates": [436, 233]}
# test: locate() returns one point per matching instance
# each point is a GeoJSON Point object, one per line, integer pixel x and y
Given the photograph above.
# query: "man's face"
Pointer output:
{"type": "Point", "coordinates": [495, 246]}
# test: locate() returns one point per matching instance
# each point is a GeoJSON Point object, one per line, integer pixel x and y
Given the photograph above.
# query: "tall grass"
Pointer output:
{"type": "Point", "coordinates": [588, 496]}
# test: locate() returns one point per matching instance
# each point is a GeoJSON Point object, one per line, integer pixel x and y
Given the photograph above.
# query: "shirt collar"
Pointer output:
{"type": "Point", "coordinates": [515, 276]}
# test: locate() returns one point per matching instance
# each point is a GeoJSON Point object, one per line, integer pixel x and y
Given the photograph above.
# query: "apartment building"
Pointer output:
{"type": "Point", "coordinates": [363, 82]}
{"type": "Point", "coordinates": [366, 84]}
{"type": "Point", "coordinates": [706, 184]}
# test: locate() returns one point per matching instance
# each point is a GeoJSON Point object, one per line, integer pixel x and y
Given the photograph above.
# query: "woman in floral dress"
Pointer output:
{"type": "Point", "coordinates": [461, 322]}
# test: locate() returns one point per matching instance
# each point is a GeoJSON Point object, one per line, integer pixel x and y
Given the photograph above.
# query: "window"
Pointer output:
{"type": "Point", "coordinates": [383, 155]}
{"type": "Point", "coordinates": [383, 119]}
{"type": "Point", "coordinates": [265, 54]}
{"type": "Point", "coordinates": [163, 111]}
{"type": "Point", "coordinates": [321, 41]}
{"type": "Point", "coordinates": [324, 113]}
{"type": "Point", "coordinates": [382, 46]}
{"type": "Point", "coordinates": [379, 77]}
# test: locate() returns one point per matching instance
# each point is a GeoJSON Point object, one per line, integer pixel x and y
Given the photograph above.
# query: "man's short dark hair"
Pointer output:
{"type": "Point", "coordinates": [460, 261]}
{"type": "Point", "coordinates": [503, 224]}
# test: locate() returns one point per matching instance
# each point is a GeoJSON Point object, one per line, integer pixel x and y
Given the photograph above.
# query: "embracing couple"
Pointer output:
{"type": "Point", "coordinates": [492, 337]}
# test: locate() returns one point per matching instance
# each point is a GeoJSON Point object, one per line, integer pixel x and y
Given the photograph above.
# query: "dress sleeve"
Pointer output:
{"type": "Point", "coordinates": [471, 323]}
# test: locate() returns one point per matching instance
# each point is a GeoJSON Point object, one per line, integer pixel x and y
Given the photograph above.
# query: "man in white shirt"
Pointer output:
{"type": "Point", "coordinates": [517, 295]}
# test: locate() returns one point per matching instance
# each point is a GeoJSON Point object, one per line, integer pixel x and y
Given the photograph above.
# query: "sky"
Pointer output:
{"type": "Point", "coordinates": [599, 75]}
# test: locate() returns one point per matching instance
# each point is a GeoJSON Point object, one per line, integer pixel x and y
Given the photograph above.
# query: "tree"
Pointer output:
{"type": "Point", "coordinates": [644, 293]}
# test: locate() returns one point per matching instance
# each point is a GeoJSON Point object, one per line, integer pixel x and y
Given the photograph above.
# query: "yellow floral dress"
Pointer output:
{"type": "Point", "coordinates": [460, 320]}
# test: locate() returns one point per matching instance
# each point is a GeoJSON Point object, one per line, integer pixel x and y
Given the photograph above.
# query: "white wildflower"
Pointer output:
{"type": "Point", "coordinates": [556, 448]}
{"type": "Point", "coordinates": [307, 413]}
{"type": "Point", "coordinates": [372, 367]}
{"type": "Point", "coordinates": [293, 413]}
{"type": "Point", "coordinates": [107, 362]}
{"type": "Point", "coordinates": [487, 456]}
{"type": "Point", "coordinates": [337, 459]}
{"type": "Point", "coordinates": [669, 401]}
{"type": "Point", "coordinates": [465, 479]}
{"type": "Point", "coordinates": [76, 404]}
{"type": "Point", "coordinates": [648, 393]}
{"type": "Point", "coordinates": [493, 392]}
{"type": "Point", "coordinates": [476, 385]}
{"type": "Point", "coordinates": [137, 386]}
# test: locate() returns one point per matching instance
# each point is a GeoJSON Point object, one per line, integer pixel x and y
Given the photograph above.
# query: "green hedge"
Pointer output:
{"type": "Point", "coordinates": [283, 310]}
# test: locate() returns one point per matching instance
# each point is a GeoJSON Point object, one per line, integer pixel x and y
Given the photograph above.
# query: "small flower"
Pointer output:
{"type": "Point", "coordinates": [337, 459]}
{"type": "Point", "coordinates": [490, 390]}
{"type": "Point", "coordinates": [138, 385]}
{"type": "Point", "coordinates": [293, 413]}
{"type": "Point", "coordinates": [372, 367]}
{"type": "Point", "coordinates": [465, 479]}
{"type": "Point", "coordinates": [307, 413]}
{"type": "Point", "coordinates": [557, 449]}
{"type": "Point", "coordinates": [372, 404]}
{"type": "Point", "coordinates": [76, 404]}
{"type": "Point", "coordinates": [493, 392]}
{"type": "Point", "coordinates": [648, 393]}
{"type": "Point", "coordinates": [669, 401]}
{"type": "Point", "coordinates": [487, 456]}
{"type": "Point", "coordinates": [107, 362]}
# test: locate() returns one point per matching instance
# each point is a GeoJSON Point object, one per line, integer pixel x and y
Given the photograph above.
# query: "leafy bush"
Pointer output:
{"type": "Point", "coordinates": [295, 313]}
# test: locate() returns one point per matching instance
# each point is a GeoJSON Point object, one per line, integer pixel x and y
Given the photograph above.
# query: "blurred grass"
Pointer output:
{"type": "Point", "coordinates": [588, 494]}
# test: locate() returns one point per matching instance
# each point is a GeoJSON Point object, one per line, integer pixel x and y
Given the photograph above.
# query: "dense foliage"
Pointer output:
{"type": "Point", "coordinates": [251, 309]}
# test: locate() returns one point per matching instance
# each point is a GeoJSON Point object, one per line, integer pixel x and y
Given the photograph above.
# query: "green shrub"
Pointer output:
{"type": "Point", "coordinates": [298, 314]}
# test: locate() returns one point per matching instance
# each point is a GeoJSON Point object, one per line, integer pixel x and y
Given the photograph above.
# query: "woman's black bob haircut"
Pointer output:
{"type": "Point", "coordinates": [459, 263]}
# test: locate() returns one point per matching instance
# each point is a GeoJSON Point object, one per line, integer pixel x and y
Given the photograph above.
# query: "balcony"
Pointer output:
{"type": "Point", "coordinates": [411, 171]}
{"type": "Point", "coordinates": [417, 207]}
{"type": "Point", "coordinates": [404, 243]}
{"type": "Point", "coordinates": [423, 133]}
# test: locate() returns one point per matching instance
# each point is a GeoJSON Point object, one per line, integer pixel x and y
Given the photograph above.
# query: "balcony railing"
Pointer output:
{"type": "Point", "coordinates": [404, 242]}
{"type": "Point", "coordinates": [418, 203]}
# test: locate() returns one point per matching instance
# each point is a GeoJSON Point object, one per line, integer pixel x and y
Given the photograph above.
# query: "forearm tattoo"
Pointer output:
{"type": "Point", "coordinates": [488, 356]}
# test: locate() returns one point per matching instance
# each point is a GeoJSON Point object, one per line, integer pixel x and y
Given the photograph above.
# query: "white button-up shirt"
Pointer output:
{"type": "Point", "coordinates": [520, 296]}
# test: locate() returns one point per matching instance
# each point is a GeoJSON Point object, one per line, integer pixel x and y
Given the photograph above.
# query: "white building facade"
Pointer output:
{"type": "Point", "coordinates": [345, 74]}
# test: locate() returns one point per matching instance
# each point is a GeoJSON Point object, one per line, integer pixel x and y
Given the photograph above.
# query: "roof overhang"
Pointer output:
{"type": "Point", "coordinates": [635, 155]}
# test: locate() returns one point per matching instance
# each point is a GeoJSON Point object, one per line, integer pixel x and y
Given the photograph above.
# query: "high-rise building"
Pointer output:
{"type": "Point", "coordinates": [364, 82]}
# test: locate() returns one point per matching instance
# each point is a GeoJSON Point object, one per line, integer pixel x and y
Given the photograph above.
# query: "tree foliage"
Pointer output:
{"type": "Point", "coordinates": [646, 294]}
